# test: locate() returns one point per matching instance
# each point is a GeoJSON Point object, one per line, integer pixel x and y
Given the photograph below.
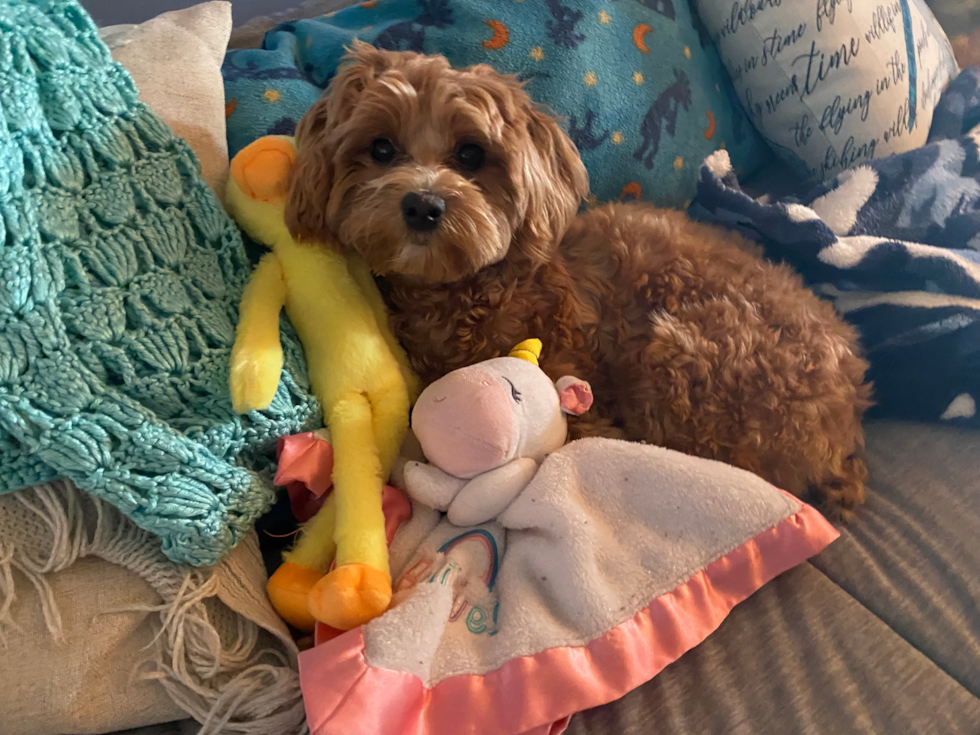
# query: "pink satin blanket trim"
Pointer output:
{"type": "Point", "coordinates": [529, 695]}
{"type": "Point", "coordinates": [555, 728]}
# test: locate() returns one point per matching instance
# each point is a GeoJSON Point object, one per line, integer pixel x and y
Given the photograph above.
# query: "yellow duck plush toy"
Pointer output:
{"type": "Point", "coordinates": [357, 371]}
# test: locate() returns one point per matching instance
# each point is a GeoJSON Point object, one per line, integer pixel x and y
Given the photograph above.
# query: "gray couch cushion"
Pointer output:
{"type": "Point", "coordinates": [880, 634]}
{"type": "Point", "coordinates": [912, 556]}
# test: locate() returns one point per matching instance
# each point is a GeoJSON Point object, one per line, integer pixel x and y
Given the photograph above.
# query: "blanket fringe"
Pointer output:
{"type": "Point", "coordinates": [221, 668]}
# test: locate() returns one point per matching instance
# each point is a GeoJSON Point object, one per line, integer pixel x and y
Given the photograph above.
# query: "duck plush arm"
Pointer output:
{"type": "Point", "coordinates": [256, 358]}
{"type": "Point", "coordinates": [256, 190]}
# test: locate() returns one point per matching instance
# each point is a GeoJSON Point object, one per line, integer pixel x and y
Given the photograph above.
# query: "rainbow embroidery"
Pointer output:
{"type": "Point", "coordinates": [484, 539]}
{"type": "Point", "coordinates": [477, 619]}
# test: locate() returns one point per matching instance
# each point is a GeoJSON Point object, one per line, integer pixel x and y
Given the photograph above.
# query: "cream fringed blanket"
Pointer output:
{"type": "Point", "coordinates": [217, 653]}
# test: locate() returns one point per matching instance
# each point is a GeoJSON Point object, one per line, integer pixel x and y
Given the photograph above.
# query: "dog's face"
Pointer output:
{"type": "Point", "coordinates": [432, 173]}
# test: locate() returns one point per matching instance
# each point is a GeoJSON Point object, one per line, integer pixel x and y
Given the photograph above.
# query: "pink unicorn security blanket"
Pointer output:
{"type": "Point", "coordinates": [562, 576]}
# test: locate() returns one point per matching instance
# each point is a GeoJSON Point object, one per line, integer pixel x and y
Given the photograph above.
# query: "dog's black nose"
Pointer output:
{"type": "Point", "coordinates": [423, 210]}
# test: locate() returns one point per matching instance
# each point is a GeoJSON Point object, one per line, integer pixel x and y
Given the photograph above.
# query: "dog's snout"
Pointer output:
{"type": "Point", "coordinates": [423, 210]}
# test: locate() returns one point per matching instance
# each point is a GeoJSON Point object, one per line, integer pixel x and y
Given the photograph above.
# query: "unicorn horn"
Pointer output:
{"type": "Point", "coordinates": [529, 350]}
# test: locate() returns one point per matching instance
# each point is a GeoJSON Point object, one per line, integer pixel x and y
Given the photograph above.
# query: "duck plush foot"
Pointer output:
{"type": "Point", "coordinates": [289, 591]}
{"type": "Point", "coordinates": [350, 596]}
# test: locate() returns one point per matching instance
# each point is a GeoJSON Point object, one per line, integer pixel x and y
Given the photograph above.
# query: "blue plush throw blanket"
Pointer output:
{"type": "Point", "coordinates": [896, 245]}
{"type": "Point", "coordinates": [639, 85]}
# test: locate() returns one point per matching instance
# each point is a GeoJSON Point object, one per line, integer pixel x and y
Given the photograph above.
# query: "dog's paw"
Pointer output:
{"type": "Point", "coordinates": [837, 500]}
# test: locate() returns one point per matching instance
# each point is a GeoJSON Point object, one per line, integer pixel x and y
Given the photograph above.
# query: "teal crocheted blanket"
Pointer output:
{"type": "Point", "coordinates": [120, 276]}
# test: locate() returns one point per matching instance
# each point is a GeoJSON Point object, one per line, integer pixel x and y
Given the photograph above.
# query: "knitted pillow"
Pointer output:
{"type": "Point", "coordinates": [120, 276]}
{"type": "Point", "coordinates": [645, 100]}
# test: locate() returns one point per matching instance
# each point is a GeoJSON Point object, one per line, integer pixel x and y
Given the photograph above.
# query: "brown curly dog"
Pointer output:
{"type": "Point", "coordinates": [463, 195]}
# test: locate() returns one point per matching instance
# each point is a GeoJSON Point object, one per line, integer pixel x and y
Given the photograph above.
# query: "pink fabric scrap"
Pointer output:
{"type": "Point", "coordinates": [306, 471]}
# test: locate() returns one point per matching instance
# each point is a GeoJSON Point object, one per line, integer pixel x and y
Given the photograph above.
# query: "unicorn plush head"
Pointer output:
{"type": "Point", "coordinates": [499, 418]}
{"type": "Point", "coordinates": [481, 417]}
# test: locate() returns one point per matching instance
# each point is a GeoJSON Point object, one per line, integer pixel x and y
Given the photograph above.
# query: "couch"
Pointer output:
{"type": "Point", "coordinates": [878, 634]}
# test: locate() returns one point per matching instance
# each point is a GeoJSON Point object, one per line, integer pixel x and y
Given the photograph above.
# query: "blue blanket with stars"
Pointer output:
{"type": "Point", "coordinates": [638, 83]}
{"type": "Point", "coordinates": [896, 245]}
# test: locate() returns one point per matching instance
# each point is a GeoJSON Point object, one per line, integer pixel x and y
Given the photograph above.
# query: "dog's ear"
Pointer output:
{"type": "Point", "coordinates": [555, 183]}
{"type": "Point", "coordinates": [545, 165]}
{"type": "Point", "coordinates": [317, 137]}
{"type": "Point", "coordinates": [311, 178]}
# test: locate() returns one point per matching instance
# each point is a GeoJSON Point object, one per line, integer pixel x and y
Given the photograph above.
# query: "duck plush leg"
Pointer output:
{"type": "Point", "coordinates": [359, 588]}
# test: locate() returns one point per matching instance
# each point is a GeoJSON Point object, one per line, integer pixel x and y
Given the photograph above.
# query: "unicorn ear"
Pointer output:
{"type": "Point", "coordinates": [574, 395]}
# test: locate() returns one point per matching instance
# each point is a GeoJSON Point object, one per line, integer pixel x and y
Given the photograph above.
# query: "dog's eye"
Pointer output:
{"type": "Point", "coordinates": [471, 157]}
{"type": "Point", "coordinates": [514, 393]}
{"type": "Point", "coordinates": [382, 150]}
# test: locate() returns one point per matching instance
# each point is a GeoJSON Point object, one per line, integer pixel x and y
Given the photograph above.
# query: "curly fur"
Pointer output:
{"type": "Point", "coordinates": [690, 340]}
